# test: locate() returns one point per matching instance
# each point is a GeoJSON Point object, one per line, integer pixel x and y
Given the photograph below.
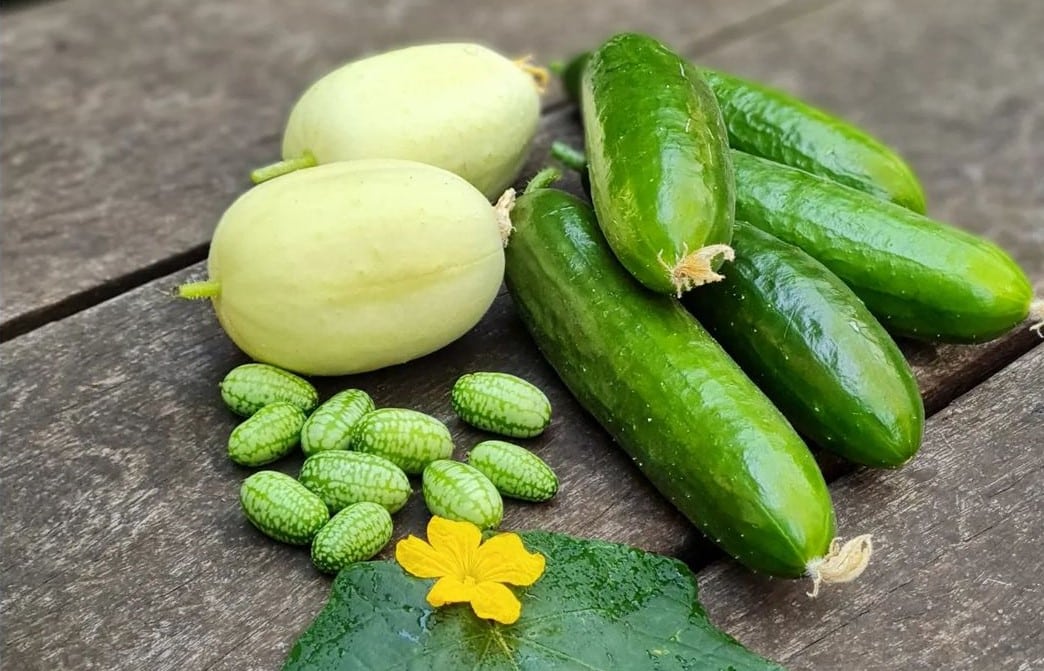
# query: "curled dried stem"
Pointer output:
{"type": "Point", "coordinates": [695, 269]}
{"type": "Point", "coordinates": [842, 563]}
{"type": "Point", "coordinates": [541, 76]}
{"type": "Point", "coordinates": [502, 210]}
{"type": "Point", "coordinates": [1036, 313]}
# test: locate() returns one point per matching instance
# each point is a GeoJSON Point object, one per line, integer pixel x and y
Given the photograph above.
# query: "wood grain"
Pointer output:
{"type": "Point", "coordinates": [136, 126]}
{"type": "Point", "coordinates": [957, 576]}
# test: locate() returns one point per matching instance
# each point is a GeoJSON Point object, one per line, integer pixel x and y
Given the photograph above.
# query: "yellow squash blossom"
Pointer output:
{"type": "Point", "coordinates": [469, 570]}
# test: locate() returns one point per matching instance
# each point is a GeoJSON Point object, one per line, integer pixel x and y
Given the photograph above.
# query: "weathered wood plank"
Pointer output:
{"type": "Point", "coordinates": [956, 579]}
{"type": "Point", "coordinates": [128, 131]}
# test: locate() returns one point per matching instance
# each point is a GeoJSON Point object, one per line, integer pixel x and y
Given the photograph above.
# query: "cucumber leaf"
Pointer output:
{"type": "Point", "coordinates": [598, 606]}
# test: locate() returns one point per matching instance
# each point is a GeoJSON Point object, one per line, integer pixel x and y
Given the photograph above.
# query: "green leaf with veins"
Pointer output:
{"type": "Point", "coordinates": [598, 606]}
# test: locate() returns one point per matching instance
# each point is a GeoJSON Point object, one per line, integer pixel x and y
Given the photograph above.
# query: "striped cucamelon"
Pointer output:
{"type": "Point", "coordinates": [460, 492]}
{"type": "Point", "coordinates": [501, 403]}
{"type": "Point", "coordinates": [514, 470]}
{"type": "Point", "coordinates": [356, 533]}
{"type": "Point", "coordinates": [330, 426]}
{"type": "Point", "coordinates": [409, 439]}
{"type": "Point", "coordinates": [343, 478]}
{"type": "Point", "coordinates": [281, 507]}
{"type": "Point", "coordinates": [267, 435]}
{"type": "Point", "coordinates": [248, 388]}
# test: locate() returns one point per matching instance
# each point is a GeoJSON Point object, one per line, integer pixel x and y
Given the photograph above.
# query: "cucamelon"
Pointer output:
{"type": "Point", "coordinates": [267, 435]}
{"type": "Point", "coordinates": [460, 492]}
{"type": "Point", "coordinates": [501, 403]}
{"type": "Point", "coordinates": [281, 507]}
{"type": "Point", "coordinates": [248, 388]}
{"type": "Point", "coordinates": [355, 534]}
{"type": "Point", "coordinates": [330, 426]}
{"type": "Point", "coordinates": [343, 478]}
{"type": "Point", "coordinates": [514, 470]}
{"type": "Point", "coordinates": [409, 439]}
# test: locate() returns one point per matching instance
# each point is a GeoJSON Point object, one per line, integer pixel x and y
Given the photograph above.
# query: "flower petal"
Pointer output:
{"type": "Point", "coordinates": [493, 601]}
{"type": "Point", "coordinates": [458, 540]}
{"type": "Point", "coordinates": [450, 590]}
{"type": "Point", "coordinates": [422, 560]}
{"type": "Point", "coordinates": [503, 558]}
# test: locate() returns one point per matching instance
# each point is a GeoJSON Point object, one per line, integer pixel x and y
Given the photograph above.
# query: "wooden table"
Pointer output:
{"type": "Point", "coordinates": [129, 125]}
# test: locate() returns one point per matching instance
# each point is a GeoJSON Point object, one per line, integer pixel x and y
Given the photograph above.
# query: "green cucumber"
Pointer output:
{"type": "Point", "coordinates": [250, 387]}
{"type": "Point", "coordinates": [409, 439]}
{"type": "Point", "coordinates": [501, 403]}
{"type": "Point", "coordinates": [921, 278]}
{"type": "Point", "coordinates": [342, 478]}
{"type": "Point", "coordinates": [514, 470]}
{"type": "Point", "coordinates": [699, 429]}
{"type": "Point", "coordinates": [661, 175]}
{"type": "Point", "coordinates": [460, 492]}
{"type": "Point", "coordinates": [281, 508]}
{"type": "Point", "coordinates": [267, 435]}
{"type": "Point", "coordinates": [330, 426]}
{"type": "Point", "coordinates": [357, 533]}
{"type": "Point", "coordinates": [775, 125]}
{"type": "Point", "coordinates": [812, 346]}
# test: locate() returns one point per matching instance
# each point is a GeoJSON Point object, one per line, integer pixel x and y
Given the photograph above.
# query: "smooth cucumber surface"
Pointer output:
{"type": "Point", "coordinates": [923, 279]}
{"type": "Point", "coordinates": [661, 174]}
{"type": "Point", "coordinates": [812, 346]}
{"type": "Point", "coordinates": [699, 429]}
{"type": "Point", "coordinates": [766, 122]}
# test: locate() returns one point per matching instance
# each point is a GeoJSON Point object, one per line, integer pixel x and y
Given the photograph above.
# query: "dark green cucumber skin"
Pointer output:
{"type": "Point", "coordinates": [699, 429]}
{"type": "Point", "coordinates": [661, 174]}
{"type": "Point", "coordinates": [769, 123]}
{"type": "Point", "coordinates": [812, 346]}
{"type": "Point", "coordinates": [923, 279]}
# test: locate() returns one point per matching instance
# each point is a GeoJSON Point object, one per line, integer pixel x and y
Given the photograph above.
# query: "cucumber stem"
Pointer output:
{"type": "Point", "coordinates": [541, 77]}
{"type": "Point", "coordinates": [842, 563]}
{"type": "Point", "coordinates": [542, 180]}
{"type": "Point", "coordinates": [273, 170]}
{"type": "Point", "coordinates": [556, 67]}
{"type": "Point", "coordinates": [1036, 313]}
{"type": "Point", "coordinates": [502, 211]}
{"type": "Point", "coordinates": [196, 290]}
{"type": "Point", "coordinates": [573, 159]}
{"type": "Point", "coordinates": [694, 269]}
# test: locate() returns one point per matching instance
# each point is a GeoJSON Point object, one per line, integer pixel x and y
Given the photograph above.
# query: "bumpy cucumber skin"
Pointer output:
{"type": "Point", "coordinates": [250, 387]}
{"type": "Point", "coordinates": [267, 435]}
{"type": "Point", "coordinates": [702, 432]}
{"type": "Point", "coordinates": [661, 174]}
{"type": "Point", "coordinates": [815, 350]}
{"type": "Point", "coordinates": [281, 508]}
{"type": "Point", "coordinates": [501, 403]}
{"type": "Point", "coordinates": [409, 439]}
{"type": "Point", "coordinates": [514, 470]}
{"type": "Point", "coordinates": [460, 492]}
{"type": "Point", "coordinates": [330, 426]}
{"type": "Point", "coordinates": [775, 125]}
{"type": "Point", "coordinates": [342, 478]}
{"type": "Point", "coordinates": [921, 278]}
{"type": "Point", "coordinates": [772, 124]}
{"type": "Point", "coordinates": [357, 533]}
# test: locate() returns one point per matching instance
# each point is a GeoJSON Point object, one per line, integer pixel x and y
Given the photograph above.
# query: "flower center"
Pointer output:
{"type": "Point", "coordinates": [469, 580]}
